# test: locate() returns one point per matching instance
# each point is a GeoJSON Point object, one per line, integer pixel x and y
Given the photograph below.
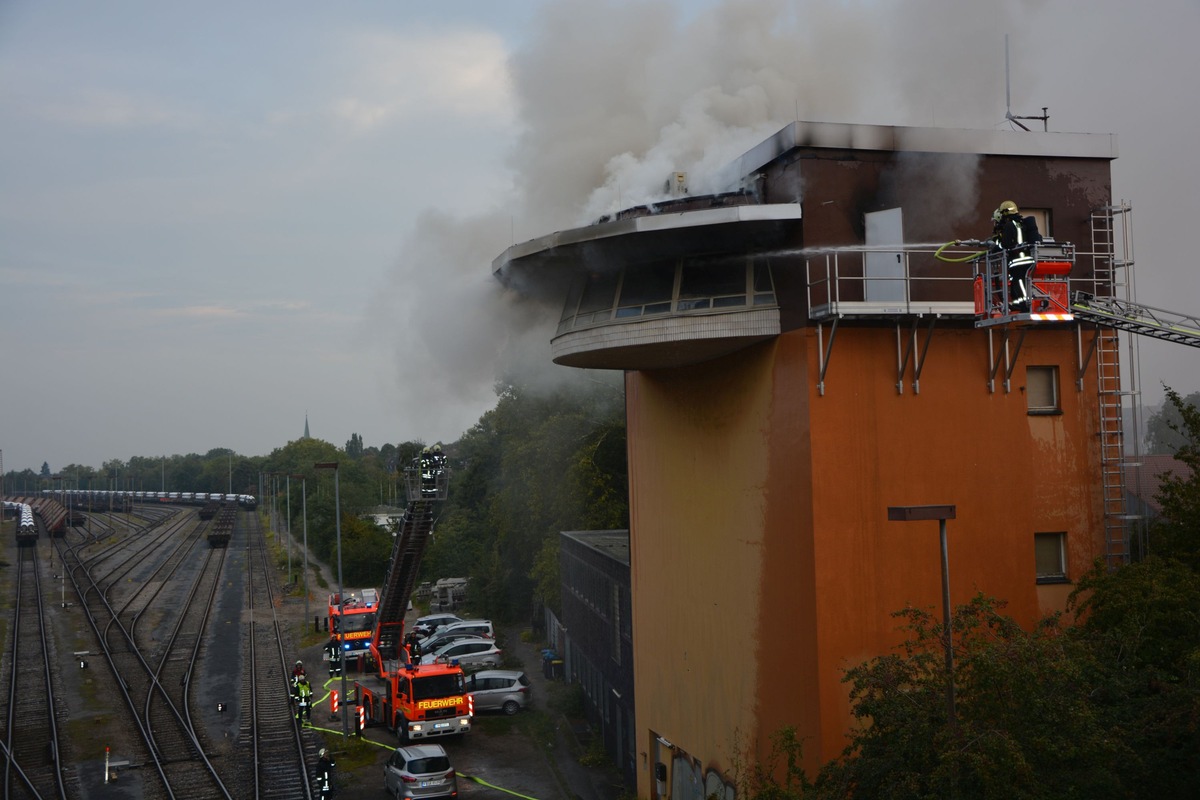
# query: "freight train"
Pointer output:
{"type": "Point", "coordinates": [118, 500]}
{"type": "Point", "coordinates": [26, 527]}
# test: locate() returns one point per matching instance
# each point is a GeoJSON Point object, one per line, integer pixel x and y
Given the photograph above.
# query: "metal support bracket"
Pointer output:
{"type": "Point", "coordinates": [823, 352]}
{"type": "Point", "coordinates": [996, 358]}
{"type": "Point", "coordinates": [906, 350]}
{"type": "Point", "coordinates": [1084, 359]}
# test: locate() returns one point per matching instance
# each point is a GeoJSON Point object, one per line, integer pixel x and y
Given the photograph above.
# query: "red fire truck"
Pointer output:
{"type": "Point", "coordinates": [351, 622]}
{"type": "Point", "coordinates": [416, 701]}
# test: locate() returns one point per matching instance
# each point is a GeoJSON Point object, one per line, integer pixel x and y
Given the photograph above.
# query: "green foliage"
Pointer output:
{"type": "Point", "coordinates": [1025, 727]}
{"type": "Point", "coordinates": [780, 776]}
{"type": "Point", "coordinates": [535, 465]}
{"type": "Point", "coordinates": [546, 577]}
{"type": "Point", "coordinates": [1163, 428]}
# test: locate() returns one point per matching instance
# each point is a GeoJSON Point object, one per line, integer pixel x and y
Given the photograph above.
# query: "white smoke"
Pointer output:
{"type": "Point", "coordinates": [612, 96]}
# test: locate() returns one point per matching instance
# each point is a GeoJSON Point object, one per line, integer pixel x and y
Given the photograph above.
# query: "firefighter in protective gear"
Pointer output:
{"type": "Point", "coordinates": [297, 673]}
{"type": "Point", "coordinates": [412, 646]}
{"type": "Point", "coordinates": [334, 650]}
{"type": "Point", "coordinates": [325, 767]}
{"type": "Point", "coordinates": [303, 700]}
{"type": "Point", "coordinates": [1015, 236]}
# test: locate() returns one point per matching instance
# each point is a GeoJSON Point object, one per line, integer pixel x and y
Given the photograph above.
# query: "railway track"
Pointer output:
{"type": "Point", "coordinates": [33, 752]}
{"type": "Point", "coordinates": [149, 594]}
{"type": "Point", "coordinates": [270, 731]}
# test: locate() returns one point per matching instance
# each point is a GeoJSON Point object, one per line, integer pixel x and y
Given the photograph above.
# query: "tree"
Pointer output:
{"type": "Point", "coordinates": [1024, 724]}
{"type": "Point", "coordinates": [1163, 433]}
{"type": "Point", "coordinates": [45, 473]}
{"type": "Point", "coordinates": [1143, 623]}
{"type": "Point", "coordinates": [354, 447]}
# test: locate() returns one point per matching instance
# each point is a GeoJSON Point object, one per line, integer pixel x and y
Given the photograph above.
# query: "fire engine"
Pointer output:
{"type": "Point", "coordinates": [352, 621]}
{"type": "Point", "coordinates": [418, 701]}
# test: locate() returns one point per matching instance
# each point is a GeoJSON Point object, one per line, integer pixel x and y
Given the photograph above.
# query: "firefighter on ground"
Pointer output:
{"type": "Point", "coordinates": [1015, 235]}
{"type": "Point", "coordinates": [413, 646]}
{"type": "Point", "coordinates": [325, 767]}
{"type": "Point", "coordinates": [303, 700]}
{"type": "Point", "coordinates": [334, 651]}
{"type": "Point", "coordinates": [297, 673]}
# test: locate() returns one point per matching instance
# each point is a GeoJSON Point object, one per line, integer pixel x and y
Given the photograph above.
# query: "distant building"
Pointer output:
{"type": "Point", "coordinates": [796, 361]}
{"type": "Point", "coordinates": [597, 636]}
{"type": "Point", "coordinates": [1144, 480]}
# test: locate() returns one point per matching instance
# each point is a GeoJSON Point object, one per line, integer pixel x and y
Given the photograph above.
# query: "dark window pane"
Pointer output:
{"type": "Point", "coordinates": [729, 302]}
{"type": "Point", "coordinates": [762, 277]}
{"type": "Point", "coordinates": [599, 292]}
{"type": "Point", "coordinates": [573, 294]}
{"type": "Point", "coordinates": [713, 278]}
{"type": "Point", "coordinates": [647, 283]}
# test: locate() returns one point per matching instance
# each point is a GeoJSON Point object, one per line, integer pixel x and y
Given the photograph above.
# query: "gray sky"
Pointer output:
{"type": "Point", "coordinates": [217, 217]}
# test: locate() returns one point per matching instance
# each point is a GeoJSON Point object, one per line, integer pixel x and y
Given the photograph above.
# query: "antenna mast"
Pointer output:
{"type": "Point", "coordinates": [1008, 115]}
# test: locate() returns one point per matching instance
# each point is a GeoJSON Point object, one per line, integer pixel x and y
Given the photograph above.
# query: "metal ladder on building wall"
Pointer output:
{"type": "Point", "coordinates": [1112, 271]}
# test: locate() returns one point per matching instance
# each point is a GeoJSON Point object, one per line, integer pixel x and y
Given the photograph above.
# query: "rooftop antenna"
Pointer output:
{"type": "Point", "coordinates": [1008, 115]}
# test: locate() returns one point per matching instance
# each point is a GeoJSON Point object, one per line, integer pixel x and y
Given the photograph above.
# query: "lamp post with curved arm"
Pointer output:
{"type": "Point", "coordinates": [337, 512]}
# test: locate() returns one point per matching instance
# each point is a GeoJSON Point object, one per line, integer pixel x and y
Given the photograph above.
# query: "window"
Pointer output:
{"type": "Point", "coordinates": [1041, 390]}
{"type": "Point", "coordinates": [1042, 217]}
{"type": "Point", "coordinates": [712, 282]}
{"type": "Point", "coordinates": [646, 289]}
{"type": "Point", "coordinates": [1049, 550]}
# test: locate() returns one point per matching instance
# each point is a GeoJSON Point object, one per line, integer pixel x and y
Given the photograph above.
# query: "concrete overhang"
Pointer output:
{"type": "Point", "coordinates": [729, 229]}
{"type": "Point", "coordinates": [664, 342]}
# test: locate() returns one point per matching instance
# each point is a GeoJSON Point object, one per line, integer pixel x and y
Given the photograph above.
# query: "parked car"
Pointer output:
{"type": "Point", "coordinates": [467, 652]}
{"type": "Point", "coordinates": [479, 627]}
{"type": "Point", "coordinates": [438, 641]}
{"type": "Point", "coordinates": [430, 622]}
{"type": "Point", "coordinates": [419, 771]}
{"type": "Point", "coordinates": [500, 690]}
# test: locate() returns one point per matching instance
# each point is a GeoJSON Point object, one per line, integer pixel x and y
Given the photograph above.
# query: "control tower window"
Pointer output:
{"type": "Point", "coordinates": [679, 286]}
{"type": "Point", "coordinates": [596, 302]}
{"type": "Point", "coordinates": [712, 282]}
{"type": "Point", "coordinates": [646, 289]}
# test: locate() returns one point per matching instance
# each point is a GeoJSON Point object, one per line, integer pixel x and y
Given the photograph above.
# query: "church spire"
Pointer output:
{"type": "Point", "coordinates": [306, 436]}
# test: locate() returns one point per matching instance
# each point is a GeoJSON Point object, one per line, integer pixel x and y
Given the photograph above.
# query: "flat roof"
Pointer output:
{"type": "Point", "coordinates": [612, 543]}
{"type": "Point", "coordinates": [846, 136]}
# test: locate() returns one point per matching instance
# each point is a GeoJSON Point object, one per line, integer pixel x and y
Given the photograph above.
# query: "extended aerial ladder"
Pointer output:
{"type": "Point", "coordinates": [427, 482]}
{"type": "Point", "coordinates": [418, 701]}
{"type": "Point", "coordinates": [1114, 312]}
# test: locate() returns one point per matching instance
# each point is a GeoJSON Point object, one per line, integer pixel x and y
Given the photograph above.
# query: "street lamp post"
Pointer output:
{"type": "Point", "coordinates": [941, 513]}
{"type": "Point", "coordinates": [337, 511]}
{"type": "Point", "coordinates": [304, 513]}
{"type": "Point", "coordinates": [289, 529]}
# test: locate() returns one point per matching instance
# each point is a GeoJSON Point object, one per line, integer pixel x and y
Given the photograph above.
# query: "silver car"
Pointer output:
{"type": "Point", "coordinates": [419, 771]}
{"type": "Point", "coordinates": [438, 641]}
{"type": "Point", "coordinates": [468, 652]}
{"type": "Point", "coordinates": [500, 690]}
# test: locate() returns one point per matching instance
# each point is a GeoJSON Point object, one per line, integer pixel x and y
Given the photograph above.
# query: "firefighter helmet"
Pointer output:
{"type": "Point", "coordinates": [299, 663]}
{"type": "Point", "coordinates": [1009, 207]}
{"type": "Point", "coordinates": [323, 752]}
